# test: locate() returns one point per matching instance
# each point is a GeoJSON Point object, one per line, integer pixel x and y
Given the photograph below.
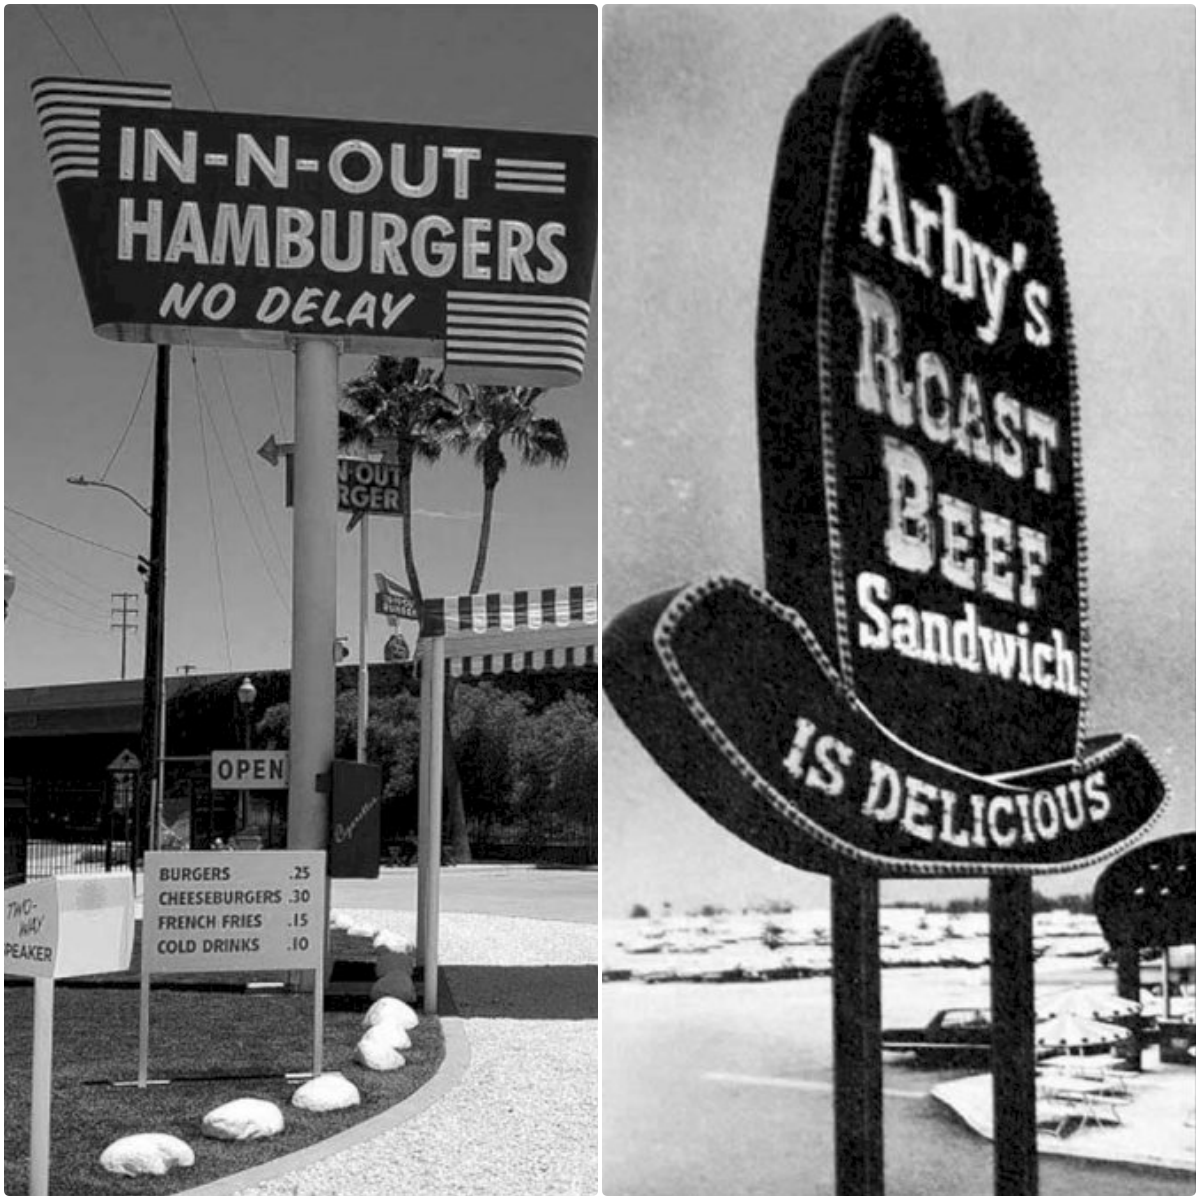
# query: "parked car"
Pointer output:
{"type": "Point", "coordinates": [953, 1033]}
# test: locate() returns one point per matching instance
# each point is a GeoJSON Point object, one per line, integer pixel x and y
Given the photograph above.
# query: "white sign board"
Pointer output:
{"type": "Point", "coordinates": [67, 926]}
{"type": "Point", "coordinates": [31, 929]}
{"type": "Point", "coordinates": [255, 770]}
{"type": "Point", "coordinates": [235, 911]}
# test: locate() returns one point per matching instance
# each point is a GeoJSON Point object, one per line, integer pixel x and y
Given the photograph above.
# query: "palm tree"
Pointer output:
{"type": "Point", "coordinates": [489, 416]}
{"type": "Point", "coordinates": [399, 406]}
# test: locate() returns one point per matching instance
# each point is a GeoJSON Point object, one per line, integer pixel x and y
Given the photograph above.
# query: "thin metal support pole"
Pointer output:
{"type": "Point", "coordinates": [364, 681]}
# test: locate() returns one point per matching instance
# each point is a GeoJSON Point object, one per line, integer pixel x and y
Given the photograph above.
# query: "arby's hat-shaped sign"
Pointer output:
{"type": "Point", "coordinates": [910, 690]}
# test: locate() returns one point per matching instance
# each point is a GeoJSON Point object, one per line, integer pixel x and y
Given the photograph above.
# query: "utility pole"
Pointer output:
{"type": "Point", "coordinates": [149, 780]}
{"type": "Point", "coordinates": [124, 624]}
{"type": "Point", "coordinates": [186, 668]}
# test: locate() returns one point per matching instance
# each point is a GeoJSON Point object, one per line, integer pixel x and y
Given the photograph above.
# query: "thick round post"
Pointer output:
{"type": "Point", "coordinates": [1014, 1080]}
{"type": "Point", "coordinates": [314, 592]}
{"type": "Point", "coordinates": [429, 833]}
{"type": "Point", "coordinates": [857, 1054]}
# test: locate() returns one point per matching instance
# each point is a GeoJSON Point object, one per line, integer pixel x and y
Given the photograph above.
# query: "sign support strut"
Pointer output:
{"type": "Point", "coordinates": [364, 680]}
{"type": "Point", "coordinates": [857, 1055]}
{"type": "Point", "coordinates": [1014, 1082]}
{"type": "Point", "coordinates": [429, 832]}
{"type": "Point", "coordinates": [43, 1057]}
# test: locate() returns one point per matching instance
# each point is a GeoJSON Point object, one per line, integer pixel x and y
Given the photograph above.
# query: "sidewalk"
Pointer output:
{"type": "Point", "coordinates": [1157, 1129]}
{"type": "Point", "coordinates": [513, 1111]}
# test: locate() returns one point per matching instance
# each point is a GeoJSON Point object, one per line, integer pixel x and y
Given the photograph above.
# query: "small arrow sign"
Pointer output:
{"type": "Point", "coordinates": [271, 450]}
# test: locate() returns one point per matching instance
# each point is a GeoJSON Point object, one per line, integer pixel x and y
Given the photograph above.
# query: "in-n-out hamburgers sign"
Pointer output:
{"type": "Point", "coordinates": [910, 691]}
{"type": "Point", "coordinates": [229, 228]}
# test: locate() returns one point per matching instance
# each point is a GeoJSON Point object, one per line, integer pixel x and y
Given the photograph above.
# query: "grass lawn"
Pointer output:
{"type": "Point", "coordinates": [193, 1032]}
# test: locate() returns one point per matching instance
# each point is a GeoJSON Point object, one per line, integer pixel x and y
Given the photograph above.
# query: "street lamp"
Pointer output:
{"type": "Point", "coordinates": [79, 481]}
{"type": "Point", "coordinates": [152, 781]}
{"type": "Point", "coordinates": [247, 693]}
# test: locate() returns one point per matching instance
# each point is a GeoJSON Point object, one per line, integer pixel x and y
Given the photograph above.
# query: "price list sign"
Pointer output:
{"type": "Point", "coordinates": [238, 911]}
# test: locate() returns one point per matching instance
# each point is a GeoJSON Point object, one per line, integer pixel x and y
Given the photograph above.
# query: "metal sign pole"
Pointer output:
{"type": "Point", "coordinates": [364, 682]}
{"type": "Point", "coordinates": [144, 1023]}
{"type": "Point", "coordinates": [43, 1060]}
{"type": "Point", "coordinates": [857, 1054]}
{"type": "Point", "coordinates": [318, 1021]}
{"type": "Point", "coordinates": [1014, 1079]}
{"type": "Point", "coordinates": [314, 591]}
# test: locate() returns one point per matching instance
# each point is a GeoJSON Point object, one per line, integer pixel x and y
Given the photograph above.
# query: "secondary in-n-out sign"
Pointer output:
{"type": "Point", "coordinates": [257, 770]}
{"type": "Point", "coordinates": [365, 488]}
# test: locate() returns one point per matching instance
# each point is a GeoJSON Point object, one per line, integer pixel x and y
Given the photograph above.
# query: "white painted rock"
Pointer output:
{"type": "Point", "coordinates": [243, 1120]}
{"type": "Point", "coordinates": [387, 939]}
{"type": "Point", "coordinates": [146, 1154]}
{"type": "Point", "coordinates": [391, 1011]}
{"type": "Point", "coordinates": [358, 930]}
{"type": "Point", "coordinates": [393, 1033]}
{"type": "Point", "coordinates": [376, 1052]}
{"type": "Point", "coordinates": [397, 984]}
{"type": "Point", "coordinates": [387, 961]}
{"type": "Point", "coordinates": [326, 1093]}
{"type": "Point", "coordinates": [339, 919]}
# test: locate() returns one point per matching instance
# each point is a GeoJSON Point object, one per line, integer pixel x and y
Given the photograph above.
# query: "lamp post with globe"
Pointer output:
{"type": "Point", "coordinates": [247, 693]}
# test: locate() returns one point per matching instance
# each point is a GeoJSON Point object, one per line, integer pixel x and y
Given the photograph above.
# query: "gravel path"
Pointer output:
{"type": "Point", "coordinates": [524, 1119]}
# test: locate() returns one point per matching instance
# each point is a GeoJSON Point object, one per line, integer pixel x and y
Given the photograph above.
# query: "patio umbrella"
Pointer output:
{"type": "Point", "coordinates": [1090, 1003]}
{"type": "Point", "coordinates": [1066, 1032]}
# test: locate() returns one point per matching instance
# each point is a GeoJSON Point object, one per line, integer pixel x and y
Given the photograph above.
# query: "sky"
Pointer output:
{"type": "Point", "coordinates": [694, 100]}
{"type": "Point", "coordinates": [72, 398]}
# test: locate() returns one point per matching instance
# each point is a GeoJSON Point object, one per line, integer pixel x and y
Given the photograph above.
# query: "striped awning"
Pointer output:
{"type": "Point", "coordinates": [532, 630]}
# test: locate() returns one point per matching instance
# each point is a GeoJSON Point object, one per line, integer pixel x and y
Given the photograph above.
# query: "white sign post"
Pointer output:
{"type": "Point", "coordinates": [55, 929]}
{"type": "Point", "coordinates": [242, 911]}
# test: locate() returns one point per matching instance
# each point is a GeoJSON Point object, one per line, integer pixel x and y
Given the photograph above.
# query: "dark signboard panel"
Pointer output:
{"type": "Point", "coordinates": [737, 701]}
{"type": "Point", "coordinates": [1147, 897]}
{"type": "Point", "coordinates": [355, 829]}
{"type": "Point", "coordinates": [245, 229]}
{"type": "Point", "coordinates": [918, 411]}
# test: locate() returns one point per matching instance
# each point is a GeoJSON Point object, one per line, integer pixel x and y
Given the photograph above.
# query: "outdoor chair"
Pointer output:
{"type": "Point", "coordinates": [1057, 1118]}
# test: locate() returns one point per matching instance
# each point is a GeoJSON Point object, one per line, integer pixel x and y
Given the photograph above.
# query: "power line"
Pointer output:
{"type": "Point", "coordinates": [132, 417]}
{"type": "Point", "coordinates": [28, 568]}
{"type": "Point", "coordinates": [188, 47]}
{"type": "Point", "coordinates": [212, 512]}
{"type": "Point", "coordinates": [45, 559]}
{"type": "Point", "coordinates": [237, 491]}
{"type": "Point", "coordinates": [249, 465]}
{"type": "Point", "coordinates": [67, 533]}
{"type": "Point", "coordinates": [37, 8]}
{"type": "Point", "coordinates": [274, 391]}
{"type": "Point", "coordinates": [104, 42]}
{"type": "Point", "coordinates": [33, 587]}
{"type": "Point", "coordinates": [37, 616]}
